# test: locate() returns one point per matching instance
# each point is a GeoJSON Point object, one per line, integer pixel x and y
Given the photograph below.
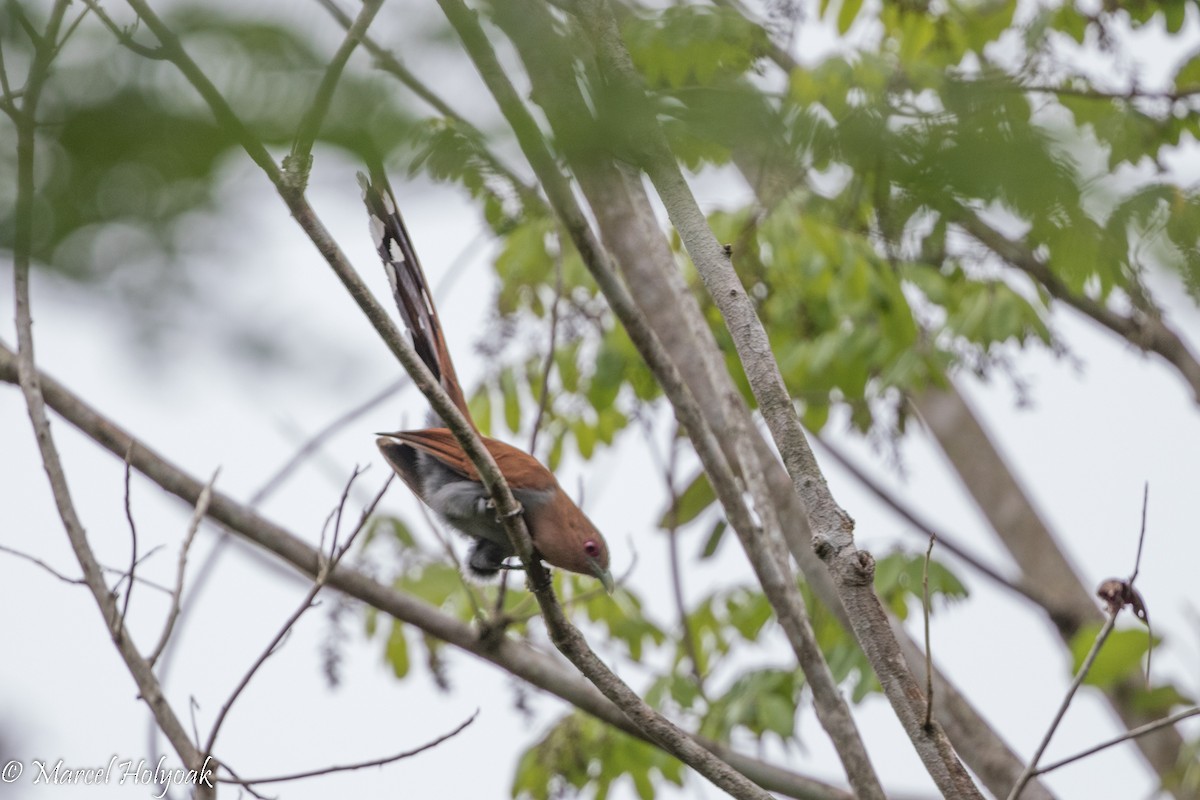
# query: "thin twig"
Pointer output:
{"type": "Point", "coordinates": [389, 63]}
{"type": "Point", "coordinates": [1113, 610]}
{"type": "Point", "coordinates": [378, 762]}
{"type": "Point", "coordinates": [133, 555]}
{"type": "Point", "coordinates": [1062, 709]}
{"type": "Point", "coordinates": [1137, 562]}
{"type": "Point", "coordinates": [125, 37]}
{"type": "Point", "coordinates": [685, 626]}
{"type": "Point", "coordinates": [328, 563]}
{"type": "Point", "coordinates": [44, 565]}
{"type": "Point", "coordinates": [4, 87]}
{"type": "Point", "coordinates": [198, 515]}
{"type": "Point", "coordinates": [928, 644]}
{"type": "Point", "coordinates": [314, 442]}
{"type": "Point", "coordinates": [548, 364]}
{"type": "Point", "coordinates": [70, 30]}
{"type": "Point", "coordinates": [1137, 565]}
{"type": "Point", "coordinates": [1133, 733]}
{"type": "Point", "coordinates": [298, 163]}
{"type": "Point", "coordinates": [80, 581]}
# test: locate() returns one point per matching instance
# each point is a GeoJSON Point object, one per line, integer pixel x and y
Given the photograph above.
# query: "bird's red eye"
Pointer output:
{"type": "Point", "coordinates": [591, 548]}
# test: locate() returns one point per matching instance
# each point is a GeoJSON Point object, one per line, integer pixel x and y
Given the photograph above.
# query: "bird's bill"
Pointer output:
{"type": "Point", "coordinates": [605, 577]}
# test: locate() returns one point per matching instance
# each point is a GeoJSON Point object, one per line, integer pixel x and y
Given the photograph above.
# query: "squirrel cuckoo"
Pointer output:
{"type": "Point", "coordinates": [432, 463]}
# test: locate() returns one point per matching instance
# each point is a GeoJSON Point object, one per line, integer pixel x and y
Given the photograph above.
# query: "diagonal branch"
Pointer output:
{"type": "Point", "coordinates": [1143, 330]}
{"type": "Point", "coordinates": [757, 540]}
{"type": "Point", "coordinates": [298, 163]}
{"type": "Point", "coordinates": [568, 640]}
{"type": "Point", "coordinates": [389, 63]}
{"type": "Point", "coordinates": [832, 527]}
{"type": "Point", "coordinates": [30, 382]}
{"type": "Point", "coordinates": [527, 663]}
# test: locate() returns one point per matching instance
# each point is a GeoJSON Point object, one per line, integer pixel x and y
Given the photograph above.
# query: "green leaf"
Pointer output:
{"type": "Point", "coordinates": [760, 702]}
{"type": "Point", "coordinates": [480, 406]}
{"type": "Point", "coordinates": [397, 650]}
{"type": "Point", "coordinates": [847, 14]}
{"type": "Point", "coordinates": [585, 438]}
{"type": "Point", "coordinates": [1119, 658]}
{"type": "Point", "coordinates": [1187, 78]}
{"type": "Point", "coordinates": [512, 400]}
{"type": "Point", "coordinates": [714, 539]}
{"type": "Point", "coordinates": [748, 613]}
{"type": "Point", "coordinates": [580, 751]}
{"type": "Point", "coordinates": [697, 497]}
{"type": "Point", "coordinates": [1160, 700]}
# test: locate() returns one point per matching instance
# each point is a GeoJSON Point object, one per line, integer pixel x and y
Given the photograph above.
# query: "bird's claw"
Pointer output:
{"type": "Point", "coordinates": [490, 504]}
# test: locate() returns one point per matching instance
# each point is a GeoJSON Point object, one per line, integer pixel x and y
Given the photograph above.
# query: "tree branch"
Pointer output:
{"type": "Point", "coordinates": [1034, 547]}
{"type": "Point", "coordinates": [1165, 722]}
{"type": "Point", "coordinates": [532, 42]}
{"type": "Point", "coordinates": [532, 666]}
{"type": "Point", "coordinates": [1101, 637]}
{"type": "Point", "coordinates": [1143, 330]}
{"type": "Point", "coordinates": [388, 62]}
{"type": "Point", "coordinates": [832, 527]}
{"type": "Point", "coordinates": [299, 162]}
{"type": "Point", "coordinates": [30, 382]}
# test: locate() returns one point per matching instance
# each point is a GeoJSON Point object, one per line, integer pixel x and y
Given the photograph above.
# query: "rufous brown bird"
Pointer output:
{"type": "Point", "coordinates": [432, 463]}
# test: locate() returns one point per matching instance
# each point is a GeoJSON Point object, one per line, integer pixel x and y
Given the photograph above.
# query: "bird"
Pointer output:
{"type": "Point", "coordinates": [434, 465]}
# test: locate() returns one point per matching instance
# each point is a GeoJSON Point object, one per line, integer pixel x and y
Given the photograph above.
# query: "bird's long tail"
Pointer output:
{"type": "Point", "coordinates": [409, 286]}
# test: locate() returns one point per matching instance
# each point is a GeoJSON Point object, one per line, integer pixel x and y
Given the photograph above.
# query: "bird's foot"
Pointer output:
{"type": "Point", "coordinates": [488, 504]}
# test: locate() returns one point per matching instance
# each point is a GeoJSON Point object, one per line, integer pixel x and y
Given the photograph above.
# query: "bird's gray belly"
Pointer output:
{"type": "Point", "coordinates": [463, 503]}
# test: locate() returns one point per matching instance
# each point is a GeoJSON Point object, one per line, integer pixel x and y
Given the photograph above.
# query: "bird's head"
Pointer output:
{"type": "Point", "coordinates": [570, 541]}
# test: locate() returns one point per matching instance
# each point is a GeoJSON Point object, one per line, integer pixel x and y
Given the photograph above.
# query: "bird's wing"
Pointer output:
{"type": "Point", "coordinates": [409, 286]}
{"type": "Point", "coordinates": [522, 471]}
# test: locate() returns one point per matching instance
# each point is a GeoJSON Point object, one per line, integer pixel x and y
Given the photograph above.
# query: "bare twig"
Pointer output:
{"type": "Point", "coordinates": [928, 644]}
{"type": "Point", "coordinates": [1137, 562]}
{"type": "Point", "coordinates": [314, 442]}
{"type": "Point", "coordinates": [685, 625]}
{"type": "Point", "coordinates": [1116, 601]}
{"type": "Point", "coordinates": [1101, 637]}
{"type": "Point", "coordinates": [198, 515]}
{"type": "Point", "coordinates": [378, 762]}
{"type": "Point", "coordinates": [124, 36]}
{"type": "Point", "coordinates": [80, 581]}
{"type": "Point", "coordinates": [298, 163]}
{"type": "Point", "coordinates": [548, 363]}
{"type": "Point", "coordinates": [38, 562]}
{"type": "Point", "coordinates": [70, 30]}
{"type": "Point", "coordinates": [133, 555]}
{"type": "Point", "coordinates": [1142, 730]}
{"type": "Point", "coordinates": [4, 87]}
{"type": "Point", "coordinates": [327, 564]}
